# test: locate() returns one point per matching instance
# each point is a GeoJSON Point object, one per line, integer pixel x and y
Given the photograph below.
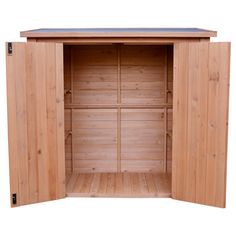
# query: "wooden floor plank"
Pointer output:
{"type": "Point", "coordinates": [152, 189]}
{"type": "Point", "coordinates": [110, 184]}
{"type": "Point", "coordinates": [79, 183]}
{"type": "Point", "coordinates": [127, 183]}
{"type": "Point", "coordinates": [71, 180]}
{"type": "Point", "coordinates": [135, 184]}
{"type": "Point", "coordinates": [143, 183]}
{"type": "Point", "coordinates": [86, 185]}
{"type": "Point", "coordinates": [119, 185]}
{"type": "Point", "coordinates": [163, 184]}
{"type": "Point", "coordinates": [102, 185]}
{"type": "Point", "coordinates": [95, 184]}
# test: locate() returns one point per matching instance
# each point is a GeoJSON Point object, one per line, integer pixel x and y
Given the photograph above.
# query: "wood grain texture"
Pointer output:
{"type": "Point", "coordinates": [200, 118]}
{"type": "Point", "coordinates": [68, 140]}
{"type": "Point", "coordinates": [94, 74]}
{"type": "Point", "coordinates": [143, 74]}
{"type": "Point", "coordinates": [170, 74]}
{"type": "Point", "coordinates": [97, 71]}
{"type": "Point", "coordinates": [36, 122]}
{"type": "Point", "coordinates": [67, 75]}
{"type": "Point", "coordinates": [142, 140]}
{"type": "Point", "coordinates": [118, 109]}
{"type": "Point", "coordinates": [95, 140]}
{"type": "Point", "coordinates": [119, 185]}
{"type": "Point", "coordinates": [60, 122]}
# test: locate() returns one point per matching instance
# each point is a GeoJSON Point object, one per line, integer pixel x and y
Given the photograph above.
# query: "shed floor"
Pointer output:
{"type": "Point", "coordinates": [119, 185]}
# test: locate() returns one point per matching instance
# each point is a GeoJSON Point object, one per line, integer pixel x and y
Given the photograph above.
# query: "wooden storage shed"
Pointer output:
{"type": "Point", "coordinates": [118, 113]}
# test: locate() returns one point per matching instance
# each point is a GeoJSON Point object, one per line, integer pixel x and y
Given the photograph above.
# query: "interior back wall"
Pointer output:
{"type": "Point", "coordinates": [92, 79]}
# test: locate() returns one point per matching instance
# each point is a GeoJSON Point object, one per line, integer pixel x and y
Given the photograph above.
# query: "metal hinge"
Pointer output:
{"type": "Point", "coordinates": [9, 48]}
{"type": "Point", "coordinates": [14, 199]}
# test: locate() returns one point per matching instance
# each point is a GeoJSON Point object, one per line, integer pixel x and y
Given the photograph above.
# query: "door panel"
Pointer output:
{"type": "Point", "coordinates": [200, 120]}
{"type": "Point", "coordinates": [35, 96]}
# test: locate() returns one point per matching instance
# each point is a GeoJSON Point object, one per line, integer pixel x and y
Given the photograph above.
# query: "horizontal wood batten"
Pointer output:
{"type": "Point", "coordinates": [90, 106]}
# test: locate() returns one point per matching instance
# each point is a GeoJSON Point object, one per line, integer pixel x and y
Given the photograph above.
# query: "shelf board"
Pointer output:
{"type": "Point", "coordinates": [114, 106]}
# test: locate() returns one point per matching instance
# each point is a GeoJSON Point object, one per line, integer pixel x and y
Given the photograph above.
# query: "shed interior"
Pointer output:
{"type": "Point", "coordinates": [118, 120]}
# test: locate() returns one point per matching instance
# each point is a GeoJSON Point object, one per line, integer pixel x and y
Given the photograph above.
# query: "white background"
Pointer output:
{"type": "Point", "coordinates": [90, 216]}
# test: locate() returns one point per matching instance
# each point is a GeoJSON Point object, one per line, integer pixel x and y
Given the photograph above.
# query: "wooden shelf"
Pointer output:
{"type": "Point", "coordinates": [114, 106]}
{"type": "Point", "coordinates": [119, 185]}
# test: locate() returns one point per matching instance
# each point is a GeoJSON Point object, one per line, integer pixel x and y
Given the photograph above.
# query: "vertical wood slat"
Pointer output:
{"type": "Point", "coordinates": [35, 122]}
{"type": "Point", "coordinates": [165, 141]}
{"type": "Point", "coordinates": [165, 110]}
{"type": "Point", "coordinates": [223, 99]}
{"type": "Point", "coordinates": [118, 73]}
{"type": "Point", "coordinates": [217, 123]}
{"type": "Point", "coordinates": [68, 99]}
{"type": "Point", "coordinates": [72, 101]}
{"type": "Point", "coordinates": [118, 109]}
{"type": "Point", "coordinates": [201, 145]}
{"type": "Point", "coordinates": [73, 114]}
{"type": "Point", "coordinates": [180, 116]}
{"type": "Point", "coordinates": [192, 106]}
{"type": "Point", "coordinates": [212, 120]}
{"type": "Point", "coordinates": [60, 122]}
{"type": "Point", "coordinates": [200, 174]}
{"type": "Point", "coordinates": [21, 114]}
{"type": "Point", "coordinates": [118, 139]}
{"type": "Point", "coordinates": [41, 115]}
{"type": "Point", "coordinates": [20, 132]}
{"type": "Point", "coordinates": [31, 119]}
{"type": "Point", "coordinates": [51, 116]}
{"type": "Point", "coordinates": [12, 126]}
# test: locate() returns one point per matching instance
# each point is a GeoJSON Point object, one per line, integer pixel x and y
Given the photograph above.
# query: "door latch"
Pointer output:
{"type": "Point", "coordinates": [14, 200]}
{"type": "Point", "coordinates": [9, 48]}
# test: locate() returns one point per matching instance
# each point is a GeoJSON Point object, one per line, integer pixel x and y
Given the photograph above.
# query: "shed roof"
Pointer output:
{"type": "Point", "coordinates": [118, 32]}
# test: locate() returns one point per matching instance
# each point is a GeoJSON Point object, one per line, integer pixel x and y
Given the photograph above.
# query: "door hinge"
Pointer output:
{"type": "Point", "coordinates": [9, 48]}
{"type": "Point", "coordinates": [14, 199]}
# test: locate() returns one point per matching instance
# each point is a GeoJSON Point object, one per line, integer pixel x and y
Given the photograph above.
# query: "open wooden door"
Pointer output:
{"type": "Point", "coordinates": [200, 120]}
{"type": "Point", "coordinates": [35, 97]}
